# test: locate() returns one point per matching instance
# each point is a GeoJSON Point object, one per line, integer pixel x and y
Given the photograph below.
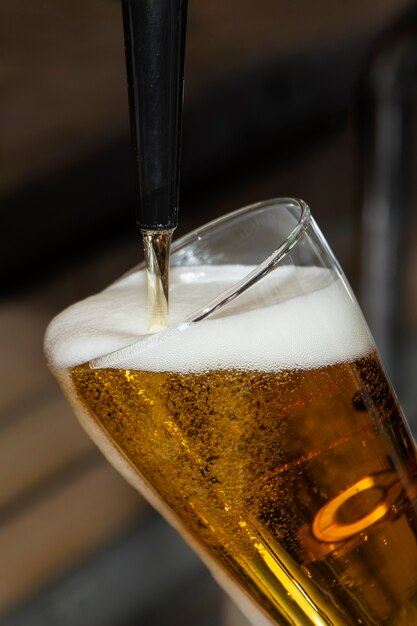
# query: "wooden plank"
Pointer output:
{"type": "Point", "coordinates": [59, 531]}
{"type": "Point", "coordinates": [124, 584]}
{"type": "Point", "coordinates": [35, 447]}
{"type": "Point", "coordinates": [23, 370]}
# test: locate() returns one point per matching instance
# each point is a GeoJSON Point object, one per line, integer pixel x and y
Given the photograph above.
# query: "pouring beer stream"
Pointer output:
{"type": "Point", "coordinates": [155, 44]}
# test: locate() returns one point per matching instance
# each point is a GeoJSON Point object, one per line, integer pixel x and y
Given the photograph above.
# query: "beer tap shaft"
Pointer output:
{"type": "Point", "coordinates": [154, 44]}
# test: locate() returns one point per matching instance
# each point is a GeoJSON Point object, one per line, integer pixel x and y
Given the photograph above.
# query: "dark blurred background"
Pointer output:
{"type": "Point", "coordinates": [308, 98]}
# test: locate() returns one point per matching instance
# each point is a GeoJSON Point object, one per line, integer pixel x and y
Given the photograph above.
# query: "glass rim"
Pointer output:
{"type": "Point", "coordinates": [290, 240]}
{"type": "Point", "coordinates": [253, 276]}
{"type": "Point", "coordinates": [262, 269]}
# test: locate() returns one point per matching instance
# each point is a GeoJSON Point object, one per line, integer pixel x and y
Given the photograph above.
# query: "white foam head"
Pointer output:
{"type": "Point", "coordinates": [296, 317]}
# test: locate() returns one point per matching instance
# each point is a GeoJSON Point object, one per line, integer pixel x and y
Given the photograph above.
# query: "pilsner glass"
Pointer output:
{"type": "Point", "coordinates": [260, 423]}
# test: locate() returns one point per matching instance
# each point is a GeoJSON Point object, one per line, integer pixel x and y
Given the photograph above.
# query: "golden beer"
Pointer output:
{"type": "Point", "coordinates": [268, 436]}
{"type": "Point", "coordinates": [267, 470]}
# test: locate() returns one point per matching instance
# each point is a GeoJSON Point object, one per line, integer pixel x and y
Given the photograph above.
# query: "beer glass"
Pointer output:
{"type": "Point", "coordinates": [260, 423]}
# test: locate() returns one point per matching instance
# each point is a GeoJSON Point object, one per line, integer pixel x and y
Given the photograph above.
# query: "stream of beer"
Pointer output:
{"type": "Point", "coordinates": [156, 244]}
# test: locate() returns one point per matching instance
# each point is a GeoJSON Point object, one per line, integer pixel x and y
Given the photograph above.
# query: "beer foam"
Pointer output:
{"type": "Point", "coordinates": [296, 317]}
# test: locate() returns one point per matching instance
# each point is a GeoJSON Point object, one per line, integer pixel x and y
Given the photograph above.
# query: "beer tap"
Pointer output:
{"type": "Point", "coordinates": [154, 32]}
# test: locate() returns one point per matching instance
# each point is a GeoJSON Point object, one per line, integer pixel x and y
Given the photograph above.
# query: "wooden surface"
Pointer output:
{"type": "Point", "coordinates": [62, 528]}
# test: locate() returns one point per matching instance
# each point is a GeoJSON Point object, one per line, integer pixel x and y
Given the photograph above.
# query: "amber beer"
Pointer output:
{"type": "Point", "coordinates": [296, 484]}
